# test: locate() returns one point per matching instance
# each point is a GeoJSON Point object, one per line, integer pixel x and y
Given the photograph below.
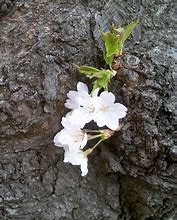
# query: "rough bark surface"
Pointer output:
{"type": "Point", "coordinates": [131, 176]}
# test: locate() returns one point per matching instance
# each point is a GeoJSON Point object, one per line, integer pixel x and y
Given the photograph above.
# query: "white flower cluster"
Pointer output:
{"type": "Point", "coordinates": [86, 107]}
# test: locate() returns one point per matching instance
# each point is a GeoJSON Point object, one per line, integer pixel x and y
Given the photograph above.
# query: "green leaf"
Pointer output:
{"type": "Point", "coordinates": [94, 72]}
{"type": "Point", "coordinates": [120, 47]}
{"type": "Point", "coordinates": [114, 41]}
{"type": "Point", "coordinates": [127, 31]}
{"type": "Point", "coordinates": [110, 40]}
{"type": "Point", "coordinates": [101, 83]}
{"type": "Point", "coordinates": [89, 71]}
{"type": "Point", "coordinates": [104, 80]}
{"type": "Point", "coordinates": [108, 73]}
{"type": "Point", "coordinates": [108, 60]}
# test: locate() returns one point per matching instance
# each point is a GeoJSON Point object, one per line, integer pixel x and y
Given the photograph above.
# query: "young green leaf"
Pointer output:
{"type": "Point", "coordinates": [104, 80]}
{"type": "Point", "coordinates": [114, 41]}
{"type": "Point", "coordinates": [127, 31]}
{"type": "Point", "coordinates": [108, 60]}
{"type": "Point", "coordinates": [120, 47]}
{"type": "Point", "coordinates": [101, 83]}
{"type": "Point", "coordinates": [89, 71]}
{"type": "Point", "coordinates": [110, 43]}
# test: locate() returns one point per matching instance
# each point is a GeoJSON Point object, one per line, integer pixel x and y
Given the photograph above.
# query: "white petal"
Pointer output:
{"type": "Point", "coordinates": [69, 114]}
{"type": "Point", "coordinates": [73, 101]}
{"type": "Point", "coordinates": [74, 157]}
{"type": "Point", "coordinates": [107, 119]}
{"type": "Point", "coordinates": [82, 87]}
{"type": "Point", "coordinates": [107, 97]}
{"type": "Point", "coordinates": [71, 104]}
{"type": "Point", "coordinates": [72, 94]}
{"type": "Point", "coordinates": [83, 115]}
{"type": "Point", "coordinates": [100, 119]}
{"type": "Point", "coordinates": [71, 157]}
{"type": "Point", "coordinates": [77, 158]}
{"type": "Point", "coordinates": [67, 123]}
{"type": "Point", "coordinates": [112, 123]}
{"type": "Point", "coordinates": [56, 140]}
{"type": "Point", "coordinates": [71, 123]}
{"type": "Point", "coordinates": [84, 167]}
{"type": "Point", "coordinates": [84, 100]}
{"type": "Point", "coordinates": [64, 121]}
{"type": "Point", "coordinates": [61, 137]}
{"type": "Point", "coordinates": [64, 137]}
{"type": "Point", "coordinates": [84, 141]}
{"type": "Point", "coordinates": [78, 144]}
{"type": "Point", "coordinates": [97, 102]}
{"type": "Point", "coordinates": [119, 110]}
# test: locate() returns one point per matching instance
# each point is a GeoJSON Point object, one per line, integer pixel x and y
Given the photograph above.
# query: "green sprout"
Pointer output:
{"type": "Point", "coordinates": [114, 43]}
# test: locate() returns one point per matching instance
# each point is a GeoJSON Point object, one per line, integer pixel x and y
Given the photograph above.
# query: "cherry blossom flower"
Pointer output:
{"type": "Point", "coordinates": [77, 157]}
{"type": "Point", "coordinates": [89, 105]}
{"type": "Point", "coordinates": [108, 112]}
{"type": "Point", "coordinates": [102, 109]}
{"type": "Point", "coordinates": [82, 103]}
{"type": "Point", "coordinates": [86, 107]}
{"type": "Point", "coordinates": [71, 135]}
{"type": "Point", "coordinates": [75, 97]}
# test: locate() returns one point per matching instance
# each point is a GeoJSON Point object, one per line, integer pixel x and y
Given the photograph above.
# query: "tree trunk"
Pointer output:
{"type": "Point", "coordinates": [131, 176]}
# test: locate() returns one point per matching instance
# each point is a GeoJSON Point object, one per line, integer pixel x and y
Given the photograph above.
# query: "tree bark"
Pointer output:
{"type": "Point", "coordinates": [131, 176]}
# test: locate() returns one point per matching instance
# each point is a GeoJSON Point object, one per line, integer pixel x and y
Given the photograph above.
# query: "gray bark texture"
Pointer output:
{"type": "Point", "coordinates": [133, 175]}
